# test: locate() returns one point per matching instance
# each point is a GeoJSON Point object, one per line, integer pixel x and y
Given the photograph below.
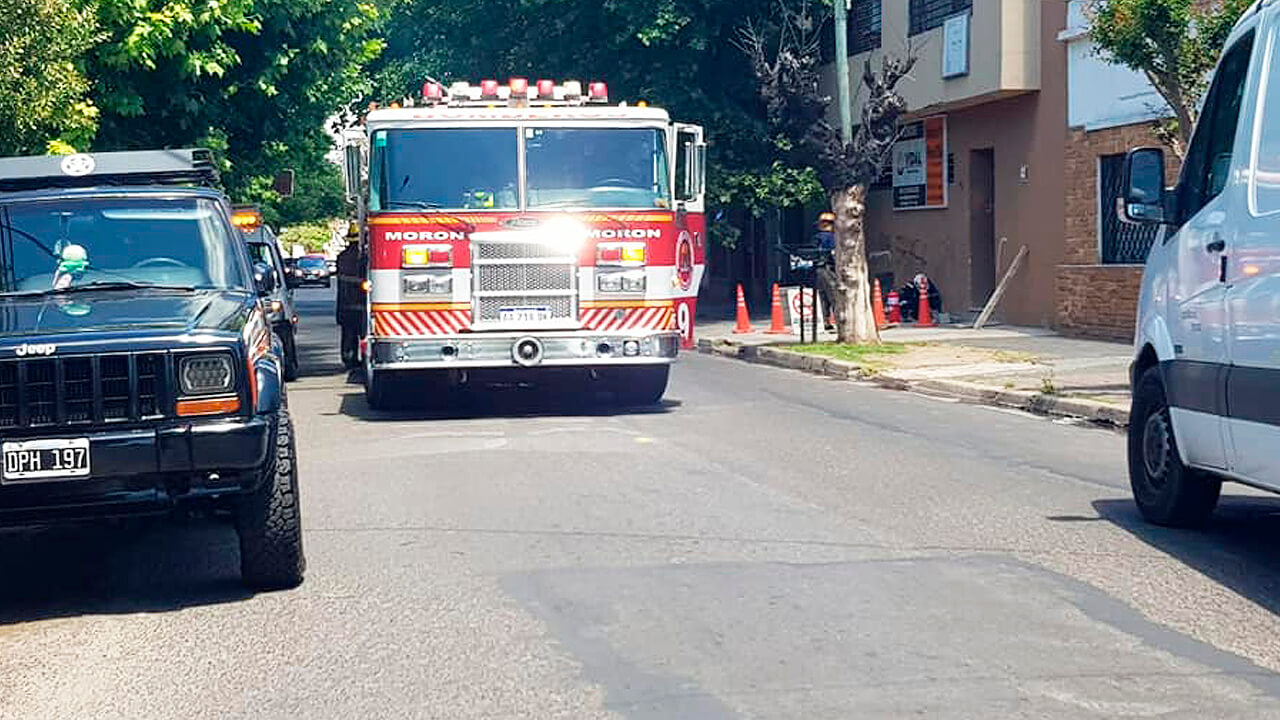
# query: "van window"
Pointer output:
{"type": "Point", "coordinates": [1209, 158]}
{"type": "Point", "coordinates": [1266, 158]}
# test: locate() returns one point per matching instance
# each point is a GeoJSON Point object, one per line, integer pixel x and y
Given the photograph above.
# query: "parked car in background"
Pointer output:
{"type": "Point", "coordinates": [313, 270]}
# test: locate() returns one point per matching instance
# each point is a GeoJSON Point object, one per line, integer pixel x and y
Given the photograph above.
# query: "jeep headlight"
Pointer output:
{"type": "Point", "coordinates": [437, 283]}
{"type": "Point", "coordinates": [206, 374]}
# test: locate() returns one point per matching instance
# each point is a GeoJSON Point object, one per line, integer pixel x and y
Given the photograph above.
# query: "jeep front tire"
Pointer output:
{"type": "Point", "coordinates": [269, 521]}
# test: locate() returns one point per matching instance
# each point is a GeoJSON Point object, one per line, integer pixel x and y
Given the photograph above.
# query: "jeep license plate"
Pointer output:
{"type": "Point", "coordinates": [45, 459]}
{"type": "Point", "coordinates": [524, 314]}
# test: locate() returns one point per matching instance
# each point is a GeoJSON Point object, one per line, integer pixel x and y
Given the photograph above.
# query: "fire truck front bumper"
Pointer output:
{"type": "Point", "coordinates": [533, 349]}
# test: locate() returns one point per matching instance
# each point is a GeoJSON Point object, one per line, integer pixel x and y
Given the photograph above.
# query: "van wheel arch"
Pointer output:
{"type": "Point", "coordinates": [1147, 359]}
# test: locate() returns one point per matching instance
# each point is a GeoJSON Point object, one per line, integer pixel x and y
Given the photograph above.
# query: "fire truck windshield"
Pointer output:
{"type": "Point", "coordinates": [478, 168]}
{"type": "Point", "coordinates": [445, 168]}
{"type": "Point", "coordinates": [596, 168]}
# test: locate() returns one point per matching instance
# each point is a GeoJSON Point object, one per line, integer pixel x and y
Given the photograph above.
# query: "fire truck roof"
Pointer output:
{"type": "Point", "coordinates": [624, 114]}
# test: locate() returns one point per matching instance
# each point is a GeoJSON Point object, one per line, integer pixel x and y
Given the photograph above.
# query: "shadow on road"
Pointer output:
{"type": "Point", "coordinates": [1239, 549]}
{"type": "Point", "coordinates": [138, 565]}
{"type": "Point", "coordinates": [468, 403]}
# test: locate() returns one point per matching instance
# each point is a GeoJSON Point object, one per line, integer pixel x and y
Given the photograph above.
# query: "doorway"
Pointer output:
{"type": "Point", "coordinates": [982, 226]}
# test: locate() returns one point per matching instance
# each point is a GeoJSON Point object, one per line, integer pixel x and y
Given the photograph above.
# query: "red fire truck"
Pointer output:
{"type": "Point", "coordinates": [527, 228]}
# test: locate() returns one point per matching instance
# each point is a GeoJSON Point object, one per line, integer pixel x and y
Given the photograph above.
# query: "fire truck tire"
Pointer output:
{"type": "Point", "coordinates": [644, 385]}
{"type": "Point", "coordinates": [269, 520]}
{"type": "Point", "coordinates": [380, 390]}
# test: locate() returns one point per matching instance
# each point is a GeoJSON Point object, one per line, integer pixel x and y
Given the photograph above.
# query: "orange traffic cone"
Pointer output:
{"type": "Point", "coordinates": [877, 305]}
{"type": "Point", "coordinates": [925, 315]}
{"type": "Point", "coordinates": [775, 321]}
{"type": "Point", "coordinates": [744, 322]}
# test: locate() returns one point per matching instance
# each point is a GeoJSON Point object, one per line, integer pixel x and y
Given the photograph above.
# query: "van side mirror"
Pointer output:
{"type": "Point", "coordinates": [1144, 189]}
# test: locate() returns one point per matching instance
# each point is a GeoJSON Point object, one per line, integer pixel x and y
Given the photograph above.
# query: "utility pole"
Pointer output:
{"type": "Point", "coordinates": [842, 70]}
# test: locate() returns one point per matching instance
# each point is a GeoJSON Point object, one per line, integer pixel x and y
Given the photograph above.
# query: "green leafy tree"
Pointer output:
{"type": "Point", "coordinates": [44, 100]}
{"type": "Point", "coordinates": [312, 236]}
{"type": "Point", "coordinates": [1175, 43]}
{"type": "Point", "coordinates": [254, 80]}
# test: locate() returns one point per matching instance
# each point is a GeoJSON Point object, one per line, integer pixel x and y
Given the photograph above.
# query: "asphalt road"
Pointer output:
{"type": "Point", "coordinates": [765, 544]}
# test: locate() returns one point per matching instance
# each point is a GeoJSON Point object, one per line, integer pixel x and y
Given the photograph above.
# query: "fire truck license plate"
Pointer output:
{"type": "Point", "coordinates": [41, 459]}
{"type": "Point", "coordinates": [524, 314]}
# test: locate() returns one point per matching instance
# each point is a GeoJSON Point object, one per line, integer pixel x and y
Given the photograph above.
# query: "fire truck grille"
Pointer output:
{"type": "Point", "coordinates": [516, 278]}
{"type": "Point", "coordinates": [489, 309]}
{"type": "Point", "coordinates": [518, 250]}
{"type": "Point", "coordinates": [81, 390]}
{"type": "Point", "coordinates": [519, 274]}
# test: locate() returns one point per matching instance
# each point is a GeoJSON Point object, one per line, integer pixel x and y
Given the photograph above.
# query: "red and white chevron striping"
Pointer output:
{"type": "Point", "coordinates": [640, 318]}
{"type": "Point", "coordinates": [399, 323]}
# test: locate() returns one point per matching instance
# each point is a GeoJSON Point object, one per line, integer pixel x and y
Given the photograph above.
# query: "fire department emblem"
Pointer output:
{"type": "Point", "coordinates": [684, 260]}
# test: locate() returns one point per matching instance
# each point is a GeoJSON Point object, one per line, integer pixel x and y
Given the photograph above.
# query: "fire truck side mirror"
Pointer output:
{"type": "Point", "coordinates": [351, 167]}
{"type": "Point", "coordinates": [686, 167]}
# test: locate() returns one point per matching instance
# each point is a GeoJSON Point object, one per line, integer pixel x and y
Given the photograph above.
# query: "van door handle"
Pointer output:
{"type": "Point", "coordinates": [1216, 245]}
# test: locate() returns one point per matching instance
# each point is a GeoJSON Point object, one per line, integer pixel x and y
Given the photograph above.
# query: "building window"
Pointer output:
{"type": "Point", "coordinates": [1121, 243]}
{"type": "Point", "coordinates": [864, 26]}
{"type": "Point", "coordinates": [929, 14]}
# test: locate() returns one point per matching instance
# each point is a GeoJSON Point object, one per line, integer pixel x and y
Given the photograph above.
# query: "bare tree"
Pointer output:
{"type": "Point", "coordinates": [785, 54]}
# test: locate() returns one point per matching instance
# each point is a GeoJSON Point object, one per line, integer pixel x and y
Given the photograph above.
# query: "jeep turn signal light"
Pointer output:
{"type": "Point", "coordinates": [208, 406]}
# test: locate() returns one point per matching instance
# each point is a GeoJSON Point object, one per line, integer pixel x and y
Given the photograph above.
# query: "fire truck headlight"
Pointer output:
{"type": "Point", "coordinates": [609, 282]}
{"type": "Point", "coordinates": [437, 283]}
{"type": "Point", "coordinates": [632, 281]}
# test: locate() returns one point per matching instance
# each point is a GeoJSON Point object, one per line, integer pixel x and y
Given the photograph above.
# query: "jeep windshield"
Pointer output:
{"type": "Point", "coordinates": [479, 168]}
{"type": "Point", "coordinates": [116, 243]}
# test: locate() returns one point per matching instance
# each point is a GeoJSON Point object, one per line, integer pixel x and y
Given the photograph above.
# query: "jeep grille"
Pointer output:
{"type": "Point", "coordinates": [81, 390]}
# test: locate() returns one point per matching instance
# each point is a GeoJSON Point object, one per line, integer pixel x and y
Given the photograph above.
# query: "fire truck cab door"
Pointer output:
{"type": "Point", "coordinates": [691, 167]}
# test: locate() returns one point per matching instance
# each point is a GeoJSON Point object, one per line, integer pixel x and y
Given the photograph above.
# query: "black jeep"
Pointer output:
{"type": "Point", "coordinates": [137, 371]}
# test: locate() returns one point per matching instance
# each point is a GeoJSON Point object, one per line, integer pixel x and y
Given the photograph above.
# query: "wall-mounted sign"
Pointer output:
{"type": "Point", "coordinates": [955, 46]}
{"type": "Point", "coordinates": [920, 165]}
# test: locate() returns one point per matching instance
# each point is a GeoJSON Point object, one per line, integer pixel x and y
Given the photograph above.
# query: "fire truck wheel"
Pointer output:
{"type": "Point", "coordinates": [269, 521]}
{"type": "Point", "coordinates": [643, 385]}
{"type": "Point", "coordinates": [380, 390]}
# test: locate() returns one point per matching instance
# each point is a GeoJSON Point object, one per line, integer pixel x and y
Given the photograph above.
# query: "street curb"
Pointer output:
{"type": "Point", "coordinates": [1039, 403]}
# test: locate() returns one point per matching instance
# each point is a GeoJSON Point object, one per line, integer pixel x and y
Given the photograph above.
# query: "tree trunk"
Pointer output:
{"type": "Point", "coordinates": [854, 322]}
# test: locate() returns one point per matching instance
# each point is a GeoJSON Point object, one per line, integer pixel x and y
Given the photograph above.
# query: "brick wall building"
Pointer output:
{"type": "Point", "coordinates": [1097, 284]}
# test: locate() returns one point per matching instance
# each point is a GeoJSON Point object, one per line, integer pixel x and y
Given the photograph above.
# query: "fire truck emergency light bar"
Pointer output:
{"type": "Point", "coordinates": [143, 167]}
{"type": "Point", "coordinates": [518, 91]}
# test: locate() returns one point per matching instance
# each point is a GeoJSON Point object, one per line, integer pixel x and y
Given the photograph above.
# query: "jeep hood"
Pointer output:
{"type": "Point", "coordinates": [130, 311]}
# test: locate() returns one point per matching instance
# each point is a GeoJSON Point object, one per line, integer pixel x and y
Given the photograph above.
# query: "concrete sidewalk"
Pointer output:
{"type": "Point", "coordinates": [1028, 368]}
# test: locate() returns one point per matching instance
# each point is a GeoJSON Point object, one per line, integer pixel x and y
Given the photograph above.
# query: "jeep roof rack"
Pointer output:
{"type": "Point", "coordinates": [142, 167]}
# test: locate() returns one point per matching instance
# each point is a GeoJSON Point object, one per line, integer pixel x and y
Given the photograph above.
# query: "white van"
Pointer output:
{"type": "Point", "coordinates": [1206, 378]}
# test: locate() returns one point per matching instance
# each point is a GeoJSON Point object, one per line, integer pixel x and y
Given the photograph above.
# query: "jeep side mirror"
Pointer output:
{"type": "Point", "coordinates": [264, 279]}
{"type": "Point", "coordinates": [1144, 194]}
